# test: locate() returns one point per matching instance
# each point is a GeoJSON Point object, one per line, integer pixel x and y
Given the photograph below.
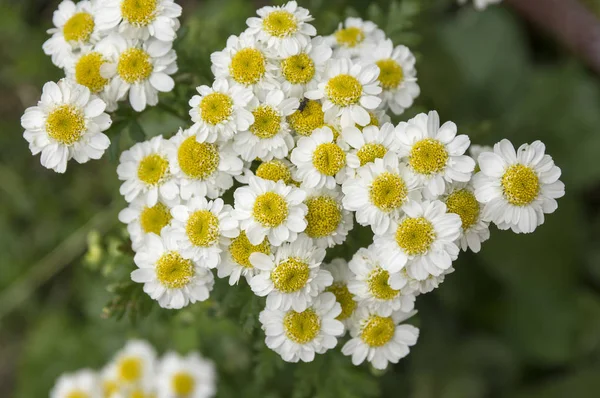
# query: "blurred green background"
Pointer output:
{"type": "Point", "coordinates": [520, 319]}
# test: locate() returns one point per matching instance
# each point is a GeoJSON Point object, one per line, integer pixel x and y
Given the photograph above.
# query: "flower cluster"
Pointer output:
{"type": "Point", "coordinates": [110, 50]}
{"type": "Point", "coordinates": [135, 371]}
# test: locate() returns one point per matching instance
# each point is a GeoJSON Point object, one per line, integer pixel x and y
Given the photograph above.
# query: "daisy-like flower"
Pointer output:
{"type": "Point", "coordinates": [369, 144]}
{"type": "Point", "coordinates": [397, 75]}
{"type": "Point", "coordinates": [320, 160]}
{"type": "Point", "coordinates": [270, 209]}
{"type": "Point", "coordinates": [327, 222]}
{"type": "Point", "coordinates": [75, 27]}
{"type": "Point", "coordinates": [188, 376]}
{"type": "Point", "coordinates": [67, 123]}
{"type": "Point", "coordinates": [299, 335]}
{"type": "Point", "coordinates": [422, 241]}
{"type": "Point", "coordinates": [168, 277]}
{"type": "Point", "coordinates": [379, 191]}
{"type": "Point", "coordinates": [408, 285]}
{"type": "Point", "coordinates": [292, 277]}
{"type": "Point", "coordinates": [202, 229]}
{"type": "Point", "coordinates": [269, 136]}
{"type": "Point", "coordinates": [83, 383]}
{"type": "Point", "coordinates": [435, 154]}
{"type": "Point", "coordinates": [307, 118]}
{"type": "Point", "coordinates": [201, 168]}
{"type": "Point", "coordinates": [338, 267]}
{"type": "Point", "coordinates": [272, 170]}
{"type": "Point", "coordinates": [348, 90]}
{"type": "Point", "coordinates": [480, 4]}
{"type": "Point", "coordinates": [144, 168]}
{"type": "Point", "coordinates": [378, 338]}
{"type": "Point", "coordinates": [140, 69]}
{"type": "Point", "coordinates": [354, 36]}
{"type": "Point", "coordinates": [302, 72]}
{"type": "Point", "coordinates": [474, 230]}
{"type": "Point", "coordinates": [235, 260]}
{"type": "Point", "coordinates": [370, 284]}
{"type": "Point", "coordinates": [518, 187]}
{"type": "Point", "coordinates": [284, 30]}
{"type": "Point", "coordinates": [219, 112]}
{"type": "Point", "coordinates": [134, 365]}
{"type": "Point", "coordinates": [141, 19]}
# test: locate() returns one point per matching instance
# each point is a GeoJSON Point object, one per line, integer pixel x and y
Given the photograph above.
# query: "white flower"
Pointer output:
{"type": "Point", "coordinates": [378, 338]}
{"type": "Point", "coordinates": [83, 383]}
{"type": "Point", "coordinates": [75, 27]}
{"type": "Point", "coordinates": [134, 365]}
{"type": "Point", "coordinates": [476, 150]}
{"type": "Point", "coordinates": [480, 4]}
{"type": "Point", "coordinates": [320, 160]}
{"type": "Point", "coordinates": [191, 376]}
{"type": "Point", "coordinates": [272, 170]}
{"type": "Point", "coordinates": [139, 69]}
{"type": "Point", "coordinates": [269, 136]}
{"type": "Point", "coordinates": [434, 154]}
{"type": "Point", "coordinates": [235, 261]}
{"type": "Point", "coordinates": [140, 19]}
{"type": "Point", "coordinates": [342, 276]}
{"type": "Point", "coordinates": [220, 112]}
{"type": "Point", "coordinates": [369, 144]}
{"type": "Point", "coordinates": [66, 123]}
{"type": "Point", "coordinates": [168, 277]}
{"type": "Point", "coordinates": [371, 285]}
{"type": "Point", "coordinates": [270, 209]}
{"type": "Point", "coordinates": [379, 191]}
{"type": "Point", "coordinates": [284, 30]}
{"type": "Point", "coordinates": [408, 285]}
{"type": "Point", "coordinates": [422, 241]}
{"type": "Point", "coordinates": [474, 230]}
{"type": "Point", "coordinates": [144, 168]}
{"type": "Point", "coordinates": [202, 228]}
{"type": "Point", "coordinates": [292, 277]}
{"type": "Point", "coordinates": [328, 223]}
{"type": "Point", "coordinates": [354, 36]}
{"type": "Point", "coordinates": [299, 335]}
{"type": "Point", "coordinates": [201, 168]}
{"type": "Point", "coordinates": [349, 90]}
{"type": "Point", "coordinates": [518, 188]}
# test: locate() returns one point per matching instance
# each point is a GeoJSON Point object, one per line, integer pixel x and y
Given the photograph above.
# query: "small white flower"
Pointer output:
{"type": "Point", "coordinates": [83, 383]}
{"type": "Point", "coordinates": [270, 209]}
{"type": "Point", "coordinates": [369, 144]}
{"type": "Point", "coordinates": [328, 223]}
{"type": "Point", "coordinates": [144, 168]}
{"type": "Point", "coordinates": [408, 285]}
{"type": "Point", "coordinates": [168, 277]}
{"type": "Point", "coordinates": [292, 277]}
{"type": "Point", "coordinates": [518, 187]}
{"type": "Point", "coordinates": [134, 365]}
{"type": "Point", "coordinates": [475, 230]}
{"type": "Point", "coordinates": [378, 338]}
{"type": "Point", "coordinates": [235, 260]}
{"type": "Point", "coordinates": [342, 276]}
{"type": "Point", "coordinates": [66, 123]}
{"type": "Point", "coordinates": [219, 112]}
{"type": "Point", "coordinates": [354, 36]}
{"type": "Point", "coordinates": [480, 4]}
{"type": "Point", "coordinates": [299, 335]}
{"type": "Point", "coordinates": [435, 154]}
{"type": "Point", "coordinates": [189, 376]}
{"type": "Point", "coordinates": [272, 170]}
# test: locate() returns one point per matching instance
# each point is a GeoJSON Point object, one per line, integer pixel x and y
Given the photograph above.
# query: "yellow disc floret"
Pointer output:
{"type": "Point", "coordinates": [198, 160]}
{"type": "Point", "coordinates": [241, 249]}
{"type": "Point", "coordinates": [134, 65]}
{"type": "Point", "coordinates": [270, 209]}
{"type": "Point", "coordinates": [343, 90]}
{"type": "Point", "coordinates": [138, 12]}
{"type": "Point", "coordinates": [329, 159]}
{"type": "Point", "coordinates": [153, 169]}
{"type": "Point", "coordinates": [428, 156]}
{"type": "Point", "coordinates": [65, 124]}
{"type": "Point", "coordinates": [77, 394]}
{"type": "Point", "coordinates": [415, 235]}
{"type": "Point", "coordinates": [520, 184]}
{"type": "Point", "coordinates": [183, 384]}
{"type": "Point", "coordinates": [378, 331]}
{"type": "Point", "coordinates": [298, 69]}
{"type": "Point", "coordinates": [379, 286]}
{"type": "Point", "coordinates": [305, 120]}
{"type": "Point", "coordinates": [290, 275]}
{"type": "Point", "coordinates": [388, 191]}
{"type": "Point", "coordinates": [390, 73]}
{"type": "Point", "coordinates": [154, 219]}
{"type": "Point", "coordinates": [323, 216]}
{"type": "Point", "coordinates": [280, 23]}
{"type": "Point", "coordinates": [349, 37]}
{"type": "Point", "coordinates": [345, 298]}
{"type": "Point", "coordinates": [274, 170]}
{"type": "Point", "coordinates": [267, 122]}
{"type": "Point", "coordinates": [301, 327]}
{"type": "Point", "coordinates": [130, 369]}
{"type": "Point", "coordinates": [369, 152]}
{"type": "Point", "coordinates": [248, 66]}
{"type": "Point", "coordinates": [174, 271]}
{"type": "Point", "coordinates": [87, 72]}
{"type": "Point", "coordinates": [463, 203]}
{"type": "Point", "coordinates": [79, 27]}
{"type": "Point", "coordinates": [202, 228]}
{"type": "Point", "coordinates": [216, 108]}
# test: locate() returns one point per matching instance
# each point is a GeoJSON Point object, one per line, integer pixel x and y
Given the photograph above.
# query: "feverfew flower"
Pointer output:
{"type": "Point", "coordinates": [67, 123]}
{"type": "Point", "coordinates": [354, 36]}
{"type": "Point", "coordinates": [188, 376]}
{"type": "Point", "coordinates": [328, 222]}
{"type": "Point", "coordinates": [303, 71]}
{"type": "Point", "coordinates": [369, 144]}
{"type": "Point", "coordinates": [518, 187]}
{"type": "Point", "coordinates": [408, 285]}
{"type": "Point", "coordinates": [474, 230]}
{"type": "Point", "coordinates": [83, 383]}
{"type": "Point", "coordinates": [235, 260]}
{"type": "Point", "coordinates": [342, 276]}
{"type": "Point", "coordinates": [299, 335]}
{"type": "Point", "coordinates": [134, 365]}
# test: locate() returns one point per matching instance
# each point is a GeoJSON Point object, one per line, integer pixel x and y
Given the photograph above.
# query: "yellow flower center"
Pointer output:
{"type": "Point", "coordinates": [202, 228]}
{"type": "Point", "coordinates": [345, 298]}
{"type": "Point", "coordinates": [109, 387]}
{"type": "Point", "coordinates": [216, 108]}
{"type": "Point", "coordinates": [77, 394]}
{"type": "Point", "coordinates": [329, 159]}
{"type": "Point", "coordinates": [138, 12]}
{"type": "Point", "coordinates": [388, 191]}
{"type": "Point", "coordinates": [248, 66]}
{"type": "Point", "coordinates": [464, 204]}
{"type": "Point", "coordinates": [349, 37]}
{"type": "Point", "coordinates": [428, 156]}
{"type": "Point", "coordinates": [274, 170]}
{"type": "Point", "coordinates": [307, 118]}
{"type": "Point", "coordinates": [369, 152]}
{"type": "Point", "coordinates": [130, 369]}
{"type": "Point", "coordinates": [241, 249]}
{"type": "Point", "coordinates": [267, 122]}
{"type": "Point", "coordinates": [378, 331]}
{"type": "Point", "coordinates": [174, 271]}
{"type": "Point", "coordinates": [301, 327]}
{"type": "Point", "coordinates": [134, 65]}
{"type": "Point", "coordinates": [290, 275]}
{"type": "Point", "coordinates": [65, 124]}
{"type": "Point", "coordinates": [270, 209]}
{"type": "Point", "coordinates": [183, 384]}
{"type": "Point", "coordinates": [87, 72]}
{"type": "Point", "coordinates": [139, 393]}
{"type": "Point", "coordinates": [343, 90]}
{"type": "Point", "coordinates": [298, 69]}
{"type": "Point", "coordinates": [390, 73]}
{"type": "Point", "coordinates": [520, 185]}
{"type": "Point", "coordinates": [415, 235]}
{"type": "Point", "coordinates": [323, 217]}
{"type": "Point", "coordinates": [280, 24]}
{"type": "Point", "coordinates": [154, 219]}
{"type": "Point", "coordinates": [79, 27]}
{"type": "Point", "coordinates": [198, 160]}
{"type": "Point", "coordinates": [379, 286]}
{"type": "Point", "coordinates": [152, 169]}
